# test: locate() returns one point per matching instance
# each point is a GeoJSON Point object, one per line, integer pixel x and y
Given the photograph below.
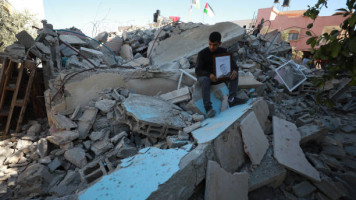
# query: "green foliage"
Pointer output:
{"type": "Point", "coordinates": [12, 23]}
{"type": "Point", "coordinates": [338, 48]}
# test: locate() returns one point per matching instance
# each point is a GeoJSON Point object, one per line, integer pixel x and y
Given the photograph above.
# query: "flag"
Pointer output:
{"type": "Point", "coordinates": [196, 3]}
{"type": "Point", "coordinates": [208, 10]}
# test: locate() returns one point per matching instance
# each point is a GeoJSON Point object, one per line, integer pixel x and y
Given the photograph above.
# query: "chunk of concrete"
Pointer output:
{"type": "Point", "coordinates": [25, 39]}
{"type": "Point", "coordinates": [91, 53]}
{"type": "Point", "coordinates": [174, 142]}
{"type": "Point", "coordinates": [303, 189]}
{"type": "Point", "coordinates": [331, 189]}
{"type": "Point", "coordinates": [63, 137]}
{"type": "Point", "coordinates": [287, 151]}
{"type": "Point", "coordinates": [96, 135]}
{"type": "Point", "coordinates": [190, 42]}
{"type": "Point", "coordinates": [191, 128]}
{"type": "Point", "coordinates": [105, 105]}
{"type": "Point", "coordinates": [255, 141]}
{"type": "Point", "coordinates": [260, 108]}
{"type": "Point", "coordinates": [101, 146]}
{"type": "Point", "coordinates": [310, 132]}
{"type": "Point", "coordinates": [138, 177]}
{"type": "Point", "coordinates": [223, 185]}
{"type": "Point", "coordinates": [42, 147]}
{"type": "Point", "coordinates": [114, 44]}
{"type": "Point", "coordinates": [86, 121]}
{"type": "Point", "coordinates": [177, 96]}
{"type": "Point", "coordinates": [63, 123]}
{"type": "Point", "coordinates": [76, 156]}
{"type": "Point", "coordinates": [126, 52]}
{"type": "Point", "coordinates": [268, 173]}
{"type": "Point", "coordinates": [71, 39]}
{"type": "Point", "coordinates": [228, 149]}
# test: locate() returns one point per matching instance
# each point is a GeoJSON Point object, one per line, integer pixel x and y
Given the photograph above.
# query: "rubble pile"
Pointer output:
{"type": "Point", "coordinates": [110, 106]}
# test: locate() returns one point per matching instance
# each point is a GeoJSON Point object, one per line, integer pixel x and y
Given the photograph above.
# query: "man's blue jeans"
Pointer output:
{"type": "Point", "coordinates": [205, 83]}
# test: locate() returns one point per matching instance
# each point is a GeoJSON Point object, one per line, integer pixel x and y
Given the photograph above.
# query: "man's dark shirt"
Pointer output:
{"type": "Point", "coordinates": [205, 62]}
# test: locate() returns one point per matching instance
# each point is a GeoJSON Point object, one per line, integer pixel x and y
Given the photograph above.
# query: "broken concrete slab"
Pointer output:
{"type": "Point", "coordinates": [191, 128]}
{"type": "Point", "coordinates": [177, 96]}
{"type": "Point", "coordinates": [71, 39]}
{"type": "Point", "coordinates": [25, 39]}
{"type": "Point", "coordinates": [105, 105]}
{"type": "Point", "coordinates": [255, 141]}
{"type": "Point", "coordinates": [137, 177]}
{"type": "Point", "coordinates": [175, 142]}
{"type": "Point", "coordinates": [191, 41]}
{"type": "Point", "coordinates": [76, 156]}
{"type": "Point", "coordinates": [228, 149]}
{"type": "Point", "coordinates": [287, 151]}
{"type": "Point", "coordinates": [63, 137]}
{"type": "Point", "coordinates": [303, 189]}
{"type": "Point", "coordinates": [126, 52]}
{"type": "Point", "coordinates": [268, 173]}
{"type": "Point", "coordinates": [310, 132]}
{"type": "Point", "coordinates": [223, 185]}
{"type": "Point", "coordinates": [213, 127]}
{"type": "Point", "coordinates": [86, 121]}
{"type": "Point", "coordinates": [101, 146]}
{"type": "Point", "coordinates": [152, 116]}
{"type": "Point", "coordinates": [63, 123]}
{"type": "Point", "coordinates": [260, 108]}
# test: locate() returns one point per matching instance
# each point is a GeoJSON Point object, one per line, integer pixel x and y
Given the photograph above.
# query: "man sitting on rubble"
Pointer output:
{"type": "Point", "coordinates": [206, 77]}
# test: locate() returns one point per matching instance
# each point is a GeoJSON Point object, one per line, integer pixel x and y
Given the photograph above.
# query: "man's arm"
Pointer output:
{"type": "Point", "coordinates": [199, 70]}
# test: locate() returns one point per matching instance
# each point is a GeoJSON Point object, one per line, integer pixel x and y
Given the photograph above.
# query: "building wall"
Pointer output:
{"type": "Point", "coordinates": [294, 20]}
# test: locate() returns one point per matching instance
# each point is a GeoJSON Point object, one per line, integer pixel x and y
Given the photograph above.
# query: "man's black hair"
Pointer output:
{"type": "Point", "coordinates": [215, 37]}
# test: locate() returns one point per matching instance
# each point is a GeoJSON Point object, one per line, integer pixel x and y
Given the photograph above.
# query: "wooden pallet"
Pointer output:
{"type": "Point", "coordinates": [7, 73]}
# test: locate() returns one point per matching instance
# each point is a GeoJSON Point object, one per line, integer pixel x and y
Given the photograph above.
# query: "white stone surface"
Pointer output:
{"type": "Point", "coordinates": [255, 141]}
{"type": "Point", "coordinates": [287, 150]}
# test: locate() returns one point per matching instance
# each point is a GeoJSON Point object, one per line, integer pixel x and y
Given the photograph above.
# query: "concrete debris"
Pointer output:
{"type": "Point", "coordinates": [223, 185]}
{"type": "Point", "coordinates": [255, 142]}
{"type": "Point", "coordinates": [128, 104]}
{"type": "Point", "coordinates": [76, 156]}
{"type": "Point", "coordinates": [287, 151]}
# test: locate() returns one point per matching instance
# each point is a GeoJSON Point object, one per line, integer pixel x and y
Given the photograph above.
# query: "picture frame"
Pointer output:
{"type": "Point", "coordinates": [222, 66]}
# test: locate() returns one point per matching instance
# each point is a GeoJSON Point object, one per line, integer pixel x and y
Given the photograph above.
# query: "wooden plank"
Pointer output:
{"type": "Point", "coordinates": [4, 64]}
{"type": "Point", "coordinates": [14, 98]}
{"type": "Point", "coordinates": [32, 66]}
{"type": "Point", "coordinates": [7, 72]}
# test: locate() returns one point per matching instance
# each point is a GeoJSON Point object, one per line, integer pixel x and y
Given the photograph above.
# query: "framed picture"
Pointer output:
{"type": "Point", "coordinates": [223, 66]}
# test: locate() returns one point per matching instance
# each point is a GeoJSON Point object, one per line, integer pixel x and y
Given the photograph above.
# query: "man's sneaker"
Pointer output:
{"type": "Point", "coordinates": [236, 101]}
{"type": "Point", "coordinates": [210, 113]}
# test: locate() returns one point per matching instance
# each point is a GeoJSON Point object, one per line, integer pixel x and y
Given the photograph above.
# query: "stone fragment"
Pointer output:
{"type": "Point", "coordinates": [174, 142]}
{"type": "Point", "coordinates": [66, 146]}
{"type": "Point", "coordinates": [105, 105]}
{"type": "Point", "coordinates": [287, 151]}
{"type": "Point", "coordinates": [14, 158]}
{"type": "Point", "coordinates": [303, 189]}
{"type": "Point", "coordinates": [25, 39]}
{"type": "Point", "coordinates": [68, 185]}
{"type": "Point", "coordinates": [45, 49]}
{"type": "Point", "coordinates": [63, 123]}
{"type": "Point", "coordinates": [310, 132]}
{"type": "Point", "coordinates": [45, 160]}
{"type": "Point", "coordinates": [268, 173]}
{"type": "Point", "coordinates": [76, 156]}
{"type": "Point", "coordinates": [86, 121]}
{"type": "Point", "coordinates": [42, 147]}
{"type": "Point", "coordinates": [114, 44]}
{"type": "Point", "coordinates": [331, 189]}
{"type": "Point", "coordinates": [34, 129]}
{"type": "Point", "coordinates": [62, 137]}
{"type": "Point", "coordinates": [304, 119]}
{"type": "Point", "coordinates": [126, 52]}
{"type": "Point", "coordinates": [23, 144]}
{"type": "Point", "coordinates": [91, 53]}
{"type": "Point", "coordinates": [348, 129]}
{"type": "Point", "coordinates": [117, 137]}
{"type": "Point", "coordinates": [101, 146]}
{"type": "Point", "coordinates": [183, 136]}
{"type": "Point", "coordinates": [351, 150]}
{"type": "Point", "coordinates": [191, 128]}
{"type": "Point", "coordinates": [255, 141]}
{"type": "Point", "coordinates": [96, 135]}
{"type": "Point", "coordinates": [177, 96]}
{"type": "Point", "coordinates": [87, 144]}
{"type": "Point", "coordinates": [54, 165]}
{"type": "Point", "coordinates": [34, 180]}
{"type": "Point", "coordinates": [223, 185]}
{"type": "Point", "coordinates": [71, 39]}
{"type": "Point", "coordinates": [197, 117]}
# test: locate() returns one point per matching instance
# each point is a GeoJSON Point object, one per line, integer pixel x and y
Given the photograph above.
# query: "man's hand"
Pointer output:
{"type": "Point", "coordinates": [213, 78]}
{"type": "Point", "coordinates": [233, 75]}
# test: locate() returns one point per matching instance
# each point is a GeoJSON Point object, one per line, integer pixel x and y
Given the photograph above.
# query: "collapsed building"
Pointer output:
{"type": "Point", "coordinates": [124, 118]}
